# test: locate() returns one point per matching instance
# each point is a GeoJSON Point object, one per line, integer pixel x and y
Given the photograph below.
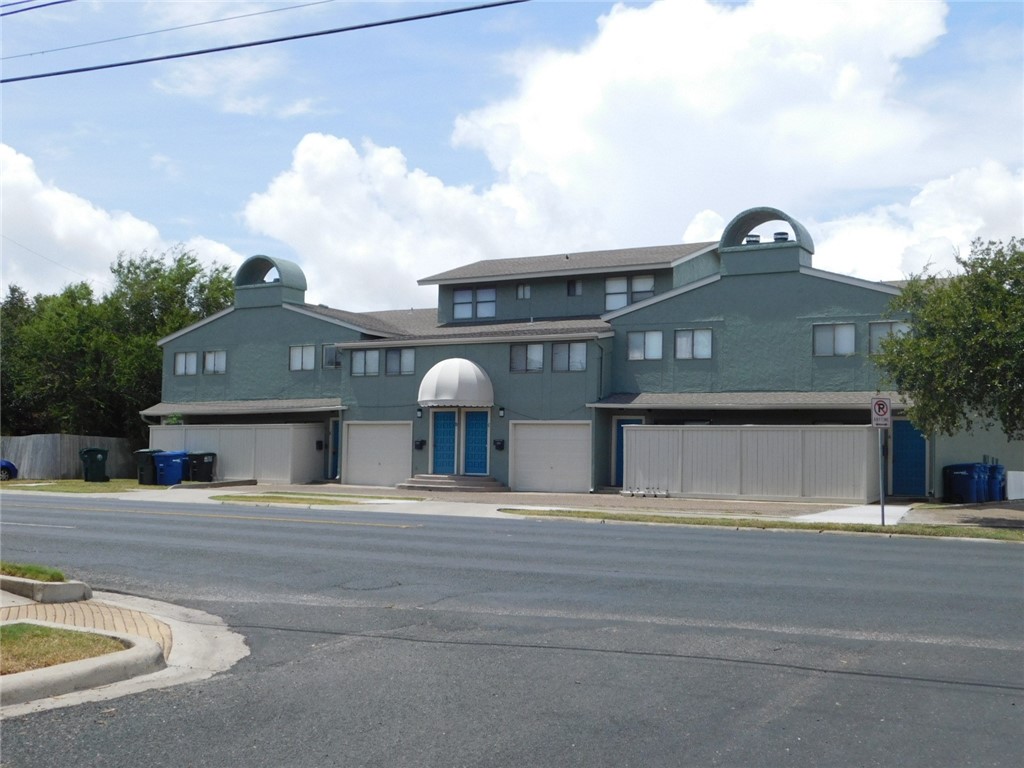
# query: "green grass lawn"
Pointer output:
{"type": "Point", "coordinates": [30, 646]}
{"type": "Point", "coordinates": [28, 571]}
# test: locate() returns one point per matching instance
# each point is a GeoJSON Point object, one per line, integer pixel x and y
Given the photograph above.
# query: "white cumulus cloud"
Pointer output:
{"type": "Point", "coordinates": [52, 237]}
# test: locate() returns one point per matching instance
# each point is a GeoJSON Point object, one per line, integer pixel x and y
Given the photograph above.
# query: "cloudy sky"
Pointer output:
{"type": "Point", "coordinates": [891, 130]}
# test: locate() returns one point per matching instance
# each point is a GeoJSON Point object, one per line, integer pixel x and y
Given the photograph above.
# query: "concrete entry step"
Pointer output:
{"type": "Point", "coordinates": [453, 483]}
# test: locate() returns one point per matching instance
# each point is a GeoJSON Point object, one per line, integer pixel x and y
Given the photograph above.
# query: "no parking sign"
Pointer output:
{"type": "Point", "coordinates": [881, 412]}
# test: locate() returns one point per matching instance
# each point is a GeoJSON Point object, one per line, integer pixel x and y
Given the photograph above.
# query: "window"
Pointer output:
{"type": "Point", "coordinates": [693, 345]}
{"type": "Point", "coordinates": [526, 358]}
{"type": "Point", "coordinates": [365, 362]}
{"type": "Point", "coordinates": [215, 361]}
{"type": "Point", "coordinates": [574, 288]}
{"type": "Point", "coordinates": [523, 291]}
{"type": "Point", "coordinates": [331, 357]}
{"type": "Point", "coordinates": [644, 345]}
{"type": "Point", "coordinates": [301, 358]}
{"type": "Point", "coordinates": [616, 293]}
{"type": "Point", "coordinates": [571, 356]}
{"type": "Point", "coordinates": [468, 303]}
{"type": "Point", "coordinates": [878, 332]}
{"type": "Point", "coordinates": [622, 291]}
{"type": "Point", "coordinates": [185, 363]}
{"type": "Point", "coordinates": [835, 340]}
{"type": "Point", "coordinates": [643, 288]}
{"type": "Point", "coordinates": [399, 362]}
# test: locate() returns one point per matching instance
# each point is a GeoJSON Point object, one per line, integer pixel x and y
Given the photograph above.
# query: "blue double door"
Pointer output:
{"type": "Point", "coordinates": [454, 444]}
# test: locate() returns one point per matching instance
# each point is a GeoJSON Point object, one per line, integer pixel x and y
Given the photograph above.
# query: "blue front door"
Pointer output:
{"type": "Point", "coordinates": [444, 443]}
{"type": "Point", "coordinates": [909, 458]}
{"type": "Point", "coordinates": [476, 442]}
{"type": "Point", "coordinates": [618, 446]}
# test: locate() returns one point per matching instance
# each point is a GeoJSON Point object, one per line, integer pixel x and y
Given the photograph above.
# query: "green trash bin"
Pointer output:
{"type": "Point", "coordinates": [94, 464]}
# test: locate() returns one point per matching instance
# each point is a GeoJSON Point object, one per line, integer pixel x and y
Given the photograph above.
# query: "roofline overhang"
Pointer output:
{"type": "Point", "coordinates": [731, 404]}
{"type": "Point", "coordinates": [302, 310]}
{"type": "Point", "coordinates": [435, 341]}
{"type": "Point", "coordinates": [706, 249]}
{"type": "Point", "coordinates": [520, 276]}
{"type": "Point", "coordinates": [238, 408]}
{"type": "Point", "coordinates": [892, 290]}
{"type": "Point", "coordinates": [704, 281]}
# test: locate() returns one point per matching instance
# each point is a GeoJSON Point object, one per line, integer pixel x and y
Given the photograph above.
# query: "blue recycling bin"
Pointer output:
{"type": "Point", "coordinates": [996, 482]}
{"type": "Point", "coordinates": [170, 467]}
{"type": "Point", "coordinates": [964, 483]}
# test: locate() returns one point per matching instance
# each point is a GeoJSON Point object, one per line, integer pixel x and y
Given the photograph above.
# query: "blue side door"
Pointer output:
{"type": "Point", "coordinates": [909, 459]}
{"type": "Point", "coordinates": [444, 443]}
{"type": "Point", "coordinates": [476, 442]}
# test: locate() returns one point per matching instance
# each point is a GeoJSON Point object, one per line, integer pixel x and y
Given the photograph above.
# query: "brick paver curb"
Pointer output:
{"type": "Point", "coordinates": [95, 614]}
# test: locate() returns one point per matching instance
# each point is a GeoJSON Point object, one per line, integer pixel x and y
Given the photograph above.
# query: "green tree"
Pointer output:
{"type": "Point", "coordinates": [962, 362]}
{"type": "Point", "coordinates": [71, 363]}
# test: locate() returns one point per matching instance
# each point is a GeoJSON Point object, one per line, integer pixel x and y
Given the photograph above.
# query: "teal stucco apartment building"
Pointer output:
{"type": "Point", "coordinates": [532, 372]}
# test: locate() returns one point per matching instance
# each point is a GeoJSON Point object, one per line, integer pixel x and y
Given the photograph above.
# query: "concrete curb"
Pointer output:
{"type": "Point", "coordinates": [142, 657]}
{"type": "Point", "coordinates": [203, 647]}
{"type": "Point", "coordinates": [46, 591]}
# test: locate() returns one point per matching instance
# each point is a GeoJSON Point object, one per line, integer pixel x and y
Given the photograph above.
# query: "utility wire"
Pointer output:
{"type": "Point", "coordinates": [160, 31]}
{"type": "Point", "coordinates": [287, 38]}
{"type": "Point", "coordinates": [34, 7]}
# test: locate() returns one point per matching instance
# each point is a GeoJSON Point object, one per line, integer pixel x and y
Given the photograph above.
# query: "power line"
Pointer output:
{"type": "Point", "coordinates": [287, 38]}
{"type": "Point", "coordinates": [33, 8]}
{"type": "Point", "coordinates": [160, 31]}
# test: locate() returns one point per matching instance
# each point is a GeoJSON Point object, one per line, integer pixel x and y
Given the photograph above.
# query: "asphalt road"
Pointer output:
{"type": "Point", "coordinates": [409, 640]}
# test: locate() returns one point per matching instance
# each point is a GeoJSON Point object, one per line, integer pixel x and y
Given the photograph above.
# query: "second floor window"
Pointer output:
{"type": "Point", "coordinates": [526, 358]}
{"type": "Point", "coordinates": [523, 291]}
{"type": "Point", "coordinates": [644, 345]}
{"type": "Point", "coordinates": [469, 303]}
{"type": "Point", "coordinates": [302, 358]}
{"type": "Point", "coordinates": [623, 291]}
{"type": "Point", "coordinates": [185, 363]}
{"type": "Point", "coordinates": [215, 361]}
{"type": "Point", "coordinates": [834, 340]}
{"type": "Point", "coordinates": [331, 357]}
{"type": "Point", "coordinates": [693, 345]}
{"type": "Point", "coordinates": [574, 288]}
{"type": "Point", "coordinates": [879, 332]}
{"type": "Point", "coordinates": [400, 362]}
{"type": "Point", "coordinates": [365, 362]}
{"type": "Point", "coordinates": [570, 356]}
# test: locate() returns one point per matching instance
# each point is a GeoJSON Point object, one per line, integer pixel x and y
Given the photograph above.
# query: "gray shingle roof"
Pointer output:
{"type": "Point", "coordinates": [658, 256]}
{"type": "Point", "coordinates": [578, 328]}
{"type": "Point", "coordinates": [741, 400]}
{"type": "Point", "coordinates": [221, 407]}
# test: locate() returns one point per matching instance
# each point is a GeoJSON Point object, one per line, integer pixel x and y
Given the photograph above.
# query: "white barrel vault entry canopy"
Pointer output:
{"type": "Point", "coordinates": [456, 382]}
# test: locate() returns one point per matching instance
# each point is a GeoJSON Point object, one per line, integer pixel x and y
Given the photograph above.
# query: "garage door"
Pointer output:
{"type": "Point", "coordinates": [550, 456]}
{"type": "Point", "coordinates": [376, 453]}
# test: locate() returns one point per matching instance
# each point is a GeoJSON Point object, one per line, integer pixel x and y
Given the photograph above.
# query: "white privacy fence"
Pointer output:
{"type": "Point", "coordinates": [834, 463]}
{"type": "Point", "coordinates": [56, 456]}
{"type": "Point", "coordinates": [272, 453]}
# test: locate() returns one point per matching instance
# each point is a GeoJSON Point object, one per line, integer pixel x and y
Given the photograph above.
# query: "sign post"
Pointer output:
{"type": "Point", "coordinates": [881, 417]}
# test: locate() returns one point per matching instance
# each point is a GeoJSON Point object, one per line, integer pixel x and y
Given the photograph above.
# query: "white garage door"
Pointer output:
{"type": "Point", "coordinates": [550, 456]}
{"type": "Point", "coordinates": [376, 453]}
